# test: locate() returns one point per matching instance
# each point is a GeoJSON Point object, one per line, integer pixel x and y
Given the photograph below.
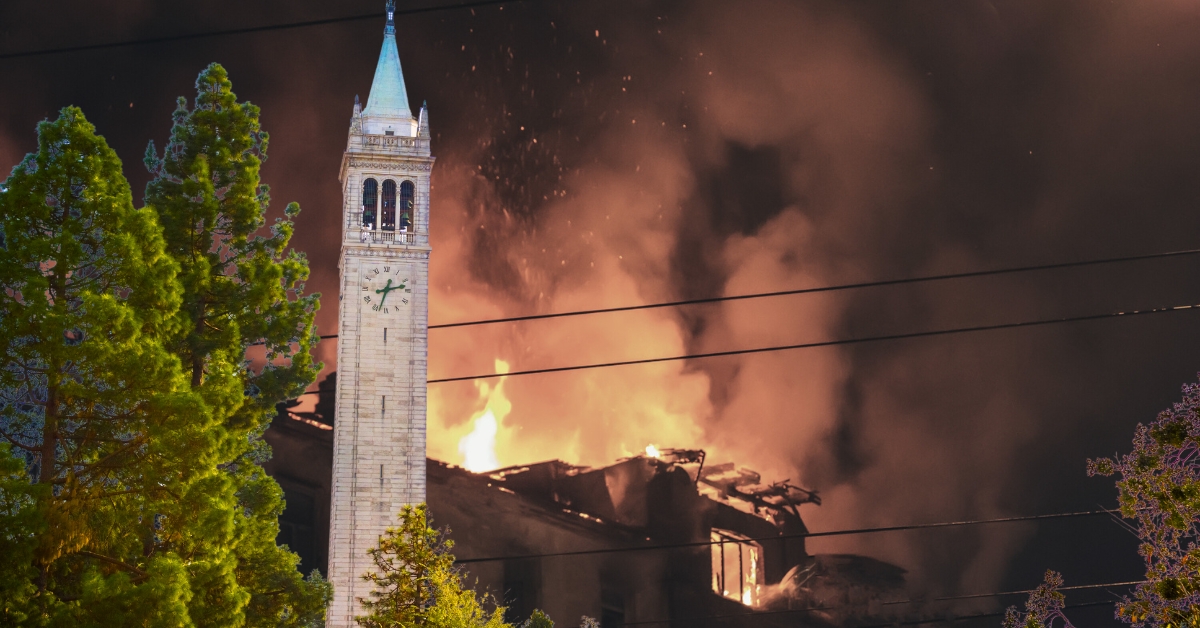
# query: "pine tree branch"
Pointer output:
{"type": "Point", "coordinates": [113, 561]}
{"type": "Point", "coordinates": [19, 445]}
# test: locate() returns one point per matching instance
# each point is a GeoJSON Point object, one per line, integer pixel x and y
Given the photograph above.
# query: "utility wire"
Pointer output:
{"type": "Point", "coordinates": [249, 29]}
{"type": "Point", "coordinates": [833, 288]}
{"type": "Point", "coordinates": [911, 622]}
{"type": "Point", "coordinates": [823, 343]}
{"type": "Point", "coordinates": [812, 345]}
{"type": "Point", "coordinates": [801, 535]}
{"type": "Point", "coordinates": [849, 286]}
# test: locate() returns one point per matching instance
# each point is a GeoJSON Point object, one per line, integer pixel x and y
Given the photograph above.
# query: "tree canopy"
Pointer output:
{"type": "Point", "coordinates": [130, 486]}
{"type": "Point", "coordinates": [416, 583]}
{"type": "Point", "coordinates": [1159, 489]}
{"type": "Point", "coordinates": [240, 289]}
{"type": "Point", "coordinates": [91, 399]}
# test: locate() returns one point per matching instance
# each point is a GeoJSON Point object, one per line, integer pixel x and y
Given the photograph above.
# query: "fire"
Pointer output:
{"type": "Point", "coordinates": [479, 447]}
{"type": "Point", "coordinates": [653, 452]}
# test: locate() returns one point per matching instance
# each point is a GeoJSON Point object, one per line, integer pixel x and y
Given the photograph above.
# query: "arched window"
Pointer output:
{"type": "Point", "coordinates": [408, 197]}
{"type": "Point", "coordinates": [387, 214]}
{"type": "Point", "coordinates": [370, 192]}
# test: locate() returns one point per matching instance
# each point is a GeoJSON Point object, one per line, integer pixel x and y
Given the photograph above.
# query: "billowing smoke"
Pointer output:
{"type": "Point", "coordinates": [725, 149]}
{"type": "Point", "coordinates": [590, 157]}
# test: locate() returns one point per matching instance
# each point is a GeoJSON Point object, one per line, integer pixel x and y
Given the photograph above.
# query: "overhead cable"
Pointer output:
{"type": "Point", "coordinates": [800, 535]}
{"type": "Point", "coordinates": [249, 29]}
{"type": "Point", "coordinates": [812, 345]}
{"type": "Point", "coordinates": [834, 288]}
{"type": "Point", "coordinates": [824, 343]}
{"type": "Point", "coordinates": [911, 622]}
{"type": "Point", "coordinates": [818, 289]}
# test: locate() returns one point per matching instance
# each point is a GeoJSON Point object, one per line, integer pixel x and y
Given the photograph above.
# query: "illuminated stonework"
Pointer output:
{"type": "Point", "coordinates": [379, 431]}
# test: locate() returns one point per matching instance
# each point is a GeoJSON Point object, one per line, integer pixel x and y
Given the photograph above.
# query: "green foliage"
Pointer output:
{"type": "Point", "coordinates": [19, 527]}
{"type": "Point", "coordinates": [537, 619]}
{"type": "Point", "coordinates": [130, 493]}
{"type": "Point", "coordinates": [416, 584]}
{"type": "Point", "coordinates": [1044, 606]}
{"type": "Point", "coordinates": [239, 290]}
{"type": "Point", "coordinates": [91, 398]}
{"type": "Point", "coordinates": [1160, 490]}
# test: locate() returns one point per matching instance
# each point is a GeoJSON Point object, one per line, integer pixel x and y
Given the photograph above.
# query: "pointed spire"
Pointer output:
{"type": "Point", "coordinates": [423, 121]}
{"type": "Point", "coordinates": [388, 97]}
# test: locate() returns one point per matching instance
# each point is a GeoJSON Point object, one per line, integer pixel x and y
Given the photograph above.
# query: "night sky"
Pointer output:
{"type": "Point", "coordinates": [595, 154]}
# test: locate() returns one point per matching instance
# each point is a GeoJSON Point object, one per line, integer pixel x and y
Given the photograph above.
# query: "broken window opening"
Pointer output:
{"type": "Point", "coordinates": [522, 588]}
{"type": "Point", "coordinates": [736, 567]}
{"type": "Point", "coordinates": [612, 608]}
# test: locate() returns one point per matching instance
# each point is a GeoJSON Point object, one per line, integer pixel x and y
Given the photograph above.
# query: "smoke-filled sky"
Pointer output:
{"type": "Point", "coordinates": [594, 154]}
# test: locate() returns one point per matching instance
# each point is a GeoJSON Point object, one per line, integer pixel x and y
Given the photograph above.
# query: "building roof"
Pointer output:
{"type": "Point", "coordinates": [388, 97]}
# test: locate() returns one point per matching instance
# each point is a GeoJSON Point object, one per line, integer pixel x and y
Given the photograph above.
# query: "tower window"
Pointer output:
{"type": "Point", "coordinates": [370, 193]}
{"type": "Point", "coordinates": [388, 213]}
{"type": "Point", "coordinates": [408, 197]}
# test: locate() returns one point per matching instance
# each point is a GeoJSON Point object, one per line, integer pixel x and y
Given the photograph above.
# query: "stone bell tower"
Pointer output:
{"type": "Point", "coordinates": [379, 430]}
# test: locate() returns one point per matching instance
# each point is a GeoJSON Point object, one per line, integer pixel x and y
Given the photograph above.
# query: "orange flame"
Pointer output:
{"type": "Point", "coordinates": [478, 448]}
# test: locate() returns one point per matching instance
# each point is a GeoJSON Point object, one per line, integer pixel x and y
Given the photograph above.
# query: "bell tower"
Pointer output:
{"type": "Point", "coordinates": [379, 430]}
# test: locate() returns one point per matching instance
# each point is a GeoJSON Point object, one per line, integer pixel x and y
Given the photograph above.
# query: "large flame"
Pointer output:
{"type": "Point", "coordinates": [478, 448]}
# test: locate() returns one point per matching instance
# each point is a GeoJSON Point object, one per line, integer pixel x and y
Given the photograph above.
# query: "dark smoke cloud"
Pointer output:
{"type": "Point", "coordinates": [591, 157]}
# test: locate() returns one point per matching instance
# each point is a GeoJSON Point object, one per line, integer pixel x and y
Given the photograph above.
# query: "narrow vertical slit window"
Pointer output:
{"type": "Point", "coordinates": [369, 197]}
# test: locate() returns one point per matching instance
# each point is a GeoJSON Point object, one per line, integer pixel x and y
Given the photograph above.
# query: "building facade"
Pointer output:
{"type": "Point", "coordinates": [379, 432]}
{"type": "Point", "coordinates": [728, 544]}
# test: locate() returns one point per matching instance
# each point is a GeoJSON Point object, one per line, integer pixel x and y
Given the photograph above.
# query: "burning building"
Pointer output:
{"type": "Point", "coordinates": [662, 538]}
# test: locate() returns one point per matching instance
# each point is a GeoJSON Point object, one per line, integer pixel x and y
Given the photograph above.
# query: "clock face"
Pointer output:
{"type": "Point", "coordinates": [386, 289]}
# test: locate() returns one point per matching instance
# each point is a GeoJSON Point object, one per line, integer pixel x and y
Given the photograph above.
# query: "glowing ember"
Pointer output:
{"type": "Point", "coordinates": [653, 452]}
{"type": "Point", "coordinates": [479, 447]}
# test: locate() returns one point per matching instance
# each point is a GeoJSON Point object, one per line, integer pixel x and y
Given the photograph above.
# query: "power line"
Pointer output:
{"type": "Point", "coordinates": [911, 622]}
{"type": "Point", "coordinates": [834, 288]}
{"type": "Point", "coordinates": [823, 343]}
{"type": "Point", "coordinates": [249, 29]}
{"type": "Point", "coordinates": [801, 535]}
{"type": "Point", "coordinates": [810, 345]}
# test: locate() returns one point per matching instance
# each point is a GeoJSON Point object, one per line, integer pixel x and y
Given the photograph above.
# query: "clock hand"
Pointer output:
{"type": "Point", "coordinates": [384, 291]}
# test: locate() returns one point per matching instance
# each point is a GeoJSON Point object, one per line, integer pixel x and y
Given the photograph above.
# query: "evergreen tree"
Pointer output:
{"type": "Point", "coordinates": [1159, 489]}
{"type": "Point", "coordinates": [239, 290]}
{"type": "Point", "coordinates": [416, 583]}
{"type": "Point", "coordinates": [538, 619]}
{"type": "Point", "coordinates": [97, 505]}
{"type": "Point", "coordinates": [1043, 608]}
